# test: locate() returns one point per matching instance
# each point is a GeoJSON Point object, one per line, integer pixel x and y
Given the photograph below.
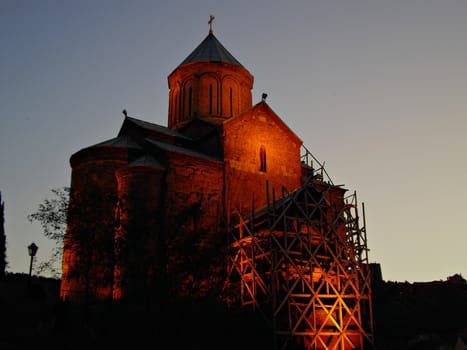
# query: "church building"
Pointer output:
{"type": "Point", "coordinates": [224, 199]}
{"type": "Point", "coordinates": [216, 153]}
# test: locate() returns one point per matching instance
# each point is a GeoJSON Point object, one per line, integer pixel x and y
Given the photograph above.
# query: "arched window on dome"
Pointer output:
{"type": "Point", "coordinates": [231, 102]}
{"type": "Point", "coordinates": [208, 100]}
{"type": "Point", "coordinates": [174, 113]}
{"type": "Point", "coordinates": [230, 98]}
{"type": "Point", "coordinates": [262, 159]}
{"type": "Point", "coordinates": [188, 105]}
{"type": "Point", "coordinates": [174, 106]}
{"type": "Point", "coordinates": [177, 107]}
{"type": "Point", "coordinates": [190, 101]}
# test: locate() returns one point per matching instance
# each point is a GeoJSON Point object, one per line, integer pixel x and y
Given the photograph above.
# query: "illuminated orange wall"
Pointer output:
{"type": "Point", "coordinates": [88, 250]}
{"type": "Point", "coordinates": [243, 138]}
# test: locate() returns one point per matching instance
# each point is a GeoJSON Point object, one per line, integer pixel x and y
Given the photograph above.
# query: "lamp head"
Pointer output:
{"type": "Point", "coordinates": [32, 249]}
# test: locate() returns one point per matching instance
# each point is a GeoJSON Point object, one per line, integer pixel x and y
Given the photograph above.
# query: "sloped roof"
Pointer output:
{"type": "Point", "coordinates": [146, 160]}
{"type": "Point", "coordinates": [181, 150]}
{"type": "Point", "coordinates": [152, 127]}
{"type": "Point", "coordinates": [119, 141]}
{"type": "Point", "coordinates": [211, 50]}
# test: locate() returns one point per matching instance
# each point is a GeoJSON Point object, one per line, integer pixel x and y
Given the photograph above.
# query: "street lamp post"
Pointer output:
{"type": "Point", "coordinates": [32, 250]}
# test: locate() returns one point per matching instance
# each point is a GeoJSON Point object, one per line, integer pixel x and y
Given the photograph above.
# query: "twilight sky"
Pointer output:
{"type": "Point", "coordinates": [377, 90]}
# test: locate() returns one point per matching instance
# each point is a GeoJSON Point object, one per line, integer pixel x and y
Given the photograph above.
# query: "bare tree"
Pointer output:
{"type": "Point", "coordinates": [52, 216]}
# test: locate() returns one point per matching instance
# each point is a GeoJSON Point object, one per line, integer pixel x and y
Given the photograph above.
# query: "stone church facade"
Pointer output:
{"type": "Point", "coordinates": [149, 209]}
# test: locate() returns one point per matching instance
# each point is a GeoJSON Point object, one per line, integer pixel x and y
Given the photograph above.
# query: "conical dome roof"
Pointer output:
{"type": "Point", "coordinates": [211, 50]}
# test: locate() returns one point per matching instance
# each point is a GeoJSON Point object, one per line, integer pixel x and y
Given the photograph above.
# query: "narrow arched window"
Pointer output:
{"type": "Point", "coordinates": [190, 97]}
{"type": "Point", "coordinates": [231, 102]}
{"type": "Point", "coordinates": [262, 159]}
{"type": "Point", "coordinates": [210, 98]}
{"type": "Point", "coordinates": [176, 109]}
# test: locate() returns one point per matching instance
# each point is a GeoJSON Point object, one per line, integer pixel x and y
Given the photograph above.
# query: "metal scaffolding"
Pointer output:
{"type": "Point", "coordinates": [302, 263]}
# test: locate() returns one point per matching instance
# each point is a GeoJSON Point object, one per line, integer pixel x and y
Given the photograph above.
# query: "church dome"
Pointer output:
{"type": "Point", "coordinates": [210, 84]}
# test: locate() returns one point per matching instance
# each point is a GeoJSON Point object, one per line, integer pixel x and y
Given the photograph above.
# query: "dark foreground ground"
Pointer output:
{"type": "Point", "coordinates": [406, 316]}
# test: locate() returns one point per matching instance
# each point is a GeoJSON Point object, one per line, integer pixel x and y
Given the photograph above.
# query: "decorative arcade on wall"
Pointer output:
{"type": "Point", "coordinates": [302, 263]}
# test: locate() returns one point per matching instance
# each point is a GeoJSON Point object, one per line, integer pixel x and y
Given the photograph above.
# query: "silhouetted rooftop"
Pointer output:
{"type": "Point", "coordinates": [153, 127]}
{"type": "Point", "coordinates": [181, 150]}
{"type": "Point", "coordinates": [146, 160]}
{"type": "Point", "coordinates": [120, 141]}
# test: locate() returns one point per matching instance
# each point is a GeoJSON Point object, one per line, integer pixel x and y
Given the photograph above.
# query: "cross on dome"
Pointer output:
{"type": "Point", "coordinates": [211, 19]}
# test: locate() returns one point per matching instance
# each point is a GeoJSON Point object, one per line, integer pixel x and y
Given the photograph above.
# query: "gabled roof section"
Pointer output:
{"type": "Point", "coordinates": [137, 127]}
{"type": "Point", "coordinates": [147, 161]}
{"type": "Point", "coordinates": [120, 148]}
{"type": "Point", "coordinates": [181, 150]}
{"type": "Point", "coordinates": [263, 107]}
{"type": "Point", "coordinates": [198, 128]}
{"type": "Point", "coordinates": [149, 126]}
{"type": "Point", "coordinates": [211, 50]}
{"type": "Point", "coordinates": [119, 141]}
